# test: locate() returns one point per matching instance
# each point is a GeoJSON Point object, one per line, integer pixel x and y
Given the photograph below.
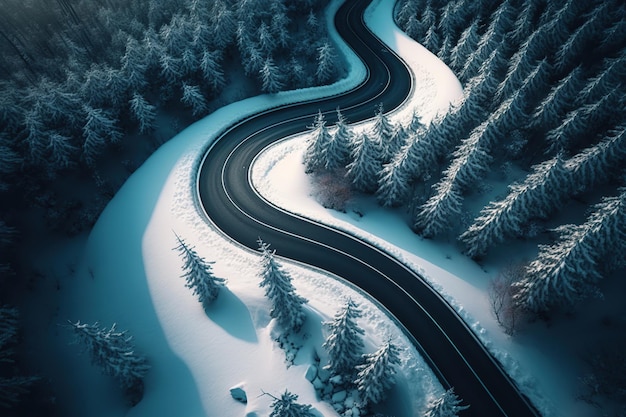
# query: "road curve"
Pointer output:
{"type": "Point", "coordinates": [230, 204]}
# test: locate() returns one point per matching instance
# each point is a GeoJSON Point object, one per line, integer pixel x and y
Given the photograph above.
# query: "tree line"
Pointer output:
{"type": "Point", "coordinates": [543, 95]}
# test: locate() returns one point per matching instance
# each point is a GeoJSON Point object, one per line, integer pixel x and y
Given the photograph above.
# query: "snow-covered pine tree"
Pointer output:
{"type": "Point", "coordinates": [448, 405]}
{"type": "Point", "coordinates": [286, 406]}
{"type": "Point", "coordinates": [344, 342]}
{"type": "Point", "coordinates": [398, 140]}
{"type": "Point", "coordinates": [171, 70]}
{"type": "Point", "coordinates": [266, 40]}
{"type": "Point", "coordinates": [113, 351]}
{"type": "Point", "coordinates": [325, 63]}
{"type": "Point", "coordinates": [559, 101]}
{"type": "Point", "coordinates": [99, 128]}
{"type": "Point", "coordinates": [393, 185]}
{"type": "Point", "coordinates": [366, 164]}
{"type": "Point", "coordinates": [212, 70]}
{"type": "Point", "coordinates": [134, 64]}
{"type": "Point", "coordinates": [377, 374]}
{"type": "Point", "coordinates": [271, 77]}
{"type": "Point", "coordinates": [593, 165]}
{"type": "Point", "coordinates": [434, 216]}
{"type": "Point", "coordinates": [408, 9]}
{"type": "Point", "coordinates": [224, 25]}
{"type": "Point", "coordinates": [144, 112]}
{"type": "Point", "coordinates": [198, 274]}
{"type": "Point", "coordinates": [193, 97]}
{"type": "Point", "coordinates": [315, 157]}
{"type": "Point", "coordinates": [569, 270]}
{"type": "Point", "coordinates": [466, 45]}
{"type": "Point", "coordinates": [431, 40]}
{"type": "Point", "coordinates": [339, 146]}
{"type": "Point", "coordinates": [381, 132]}
{"type": "Point", "coordinates": [540, 193]}
{"type": "Point", "coordinates": [609, 79]}
{"type": "Point", "coordinates": [62, 151]}
{"type": "Point", "coordinates": [287, 306]}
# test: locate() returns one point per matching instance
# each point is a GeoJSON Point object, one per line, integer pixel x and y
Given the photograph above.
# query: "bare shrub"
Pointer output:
{"type": "Point", "coordinates": [332, 189]}
{"type": "Point", "coordinates": [501, 292]}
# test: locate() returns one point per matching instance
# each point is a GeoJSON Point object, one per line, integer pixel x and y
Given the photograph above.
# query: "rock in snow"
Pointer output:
{"type": "Point", "coordinates": [311, 373]}
{"type": "Point", "coordinates": [239, 394]}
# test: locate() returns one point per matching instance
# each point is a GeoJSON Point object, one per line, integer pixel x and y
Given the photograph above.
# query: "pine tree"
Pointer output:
{"type": "Point", "coordinates": [559, 101]}
{"type": "Point", "coordinates": [595, 164]}
{"type": "Point", "coordinates": [393, 185]}
{"type": "Point", "coordinates": [448, 405]}
{"type": "Point", "coordinates": [143, 111]}
{"type": "Point", "coordinates": [193, 97]}
{"type": "Point", "coordinates": [315, 157]}
{"type": "Point", "coordinates": [325, 63]}
{"type": "Point", "coordinates": [540, 193]}
{"type": "Point", "coordinates": [569, 270]}
{"type": "Point", "coordinates": [434, 216]}
{"type": "Point", "coordinates": [366, 164]}
{"type": "Point", "coordinates": [377, 374]}
{"type": "Point", "coordinates": [344, 343]}
{"type": "Point", "coordinates": [465, 47]}
{"type": "Point", "coordinates": [198, 274]}
{"type": "Point", "coordinates": [114, 353]}
{"type": "Point", "coordinates": [287, 306]}
{"type": "Point", "coordinates": [382, 132]}
{"type": "Point", "coordinates": [286, 406]}
{"type": "Point", "coordinates": [134, 66]}
{"type": "Point", "coordinates": [99, 128]}
{"type": "Point", "coordinates": [62, 151]}
{"type": "Point", "coordinates": [339, 147]}
{"type": "Point", "coordinates": [212, 71]}
{"type": "Point", "coordinates": [271, 77]}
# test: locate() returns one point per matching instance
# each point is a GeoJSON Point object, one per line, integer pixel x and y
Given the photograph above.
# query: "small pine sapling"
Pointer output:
{"type": "Point", "coordinates": [377, 375]}
{"type": "Point", "coordinates": [286, 406]}
{"type": "Point", "coordinates": [114, 353]}
{"type": "Point", "coordinates": [448, 405]}
{"type": "Point", "coordinates": [198, 274]}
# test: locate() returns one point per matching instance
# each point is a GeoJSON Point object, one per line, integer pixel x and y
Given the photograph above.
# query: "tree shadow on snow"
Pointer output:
{"type": "Point", "coordinates": [231, 314]}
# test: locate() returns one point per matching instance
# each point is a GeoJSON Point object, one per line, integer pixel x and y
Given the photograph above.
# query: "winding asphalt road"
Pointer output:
{"type": "Point", "coordinates": [230, 203]}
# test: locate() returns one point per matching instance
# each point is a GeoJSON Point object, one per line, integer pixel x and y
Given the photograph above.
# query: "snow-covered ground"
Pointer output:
{"type": "Point", "coordinates": [128, 274]}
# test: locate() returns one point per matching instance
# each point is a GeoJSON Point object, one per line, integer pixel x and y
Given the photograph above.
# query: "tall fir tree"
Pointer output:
{"type": "Point", "coordinates": [315, 157]}
{"type": "Point", "coordinates": [144, 112]}
{"type": "Point", "coordinates": [382, 131]}
{"type": "Point", "coordinates": [113, 351]}
{"type": "Point", "coordinates": [340, 145]}
{"type": "Point", "coordinates": [377, 374]}
{"type": "Point", "coordinates": [271, 77]}
{"type": "Point", "coordinates": [366, 164]}
{"type": "Point", "coordinates": [344, 342]}
{"type": "Point", "coordinates": [569, 270]}
{"type": "Point", "coordinates": [540, 193]}
{"type": "Point", "coordinates": [198, 274]}
{"type": "Point", "coordinates": [287, 306]}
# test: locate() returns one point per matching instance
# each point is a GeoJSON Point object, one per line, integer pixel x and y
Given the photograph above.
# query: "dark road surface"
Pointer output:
{"type": "Point", "coordinates": [454, 353]}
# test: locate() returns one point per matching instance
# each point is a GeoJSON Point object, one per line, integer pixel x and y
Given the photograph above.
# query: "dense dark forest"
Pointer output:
{"type": "Point", "coordinates": [89, 89]}
{"type": "Point", "coordinates": [83, 82]}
